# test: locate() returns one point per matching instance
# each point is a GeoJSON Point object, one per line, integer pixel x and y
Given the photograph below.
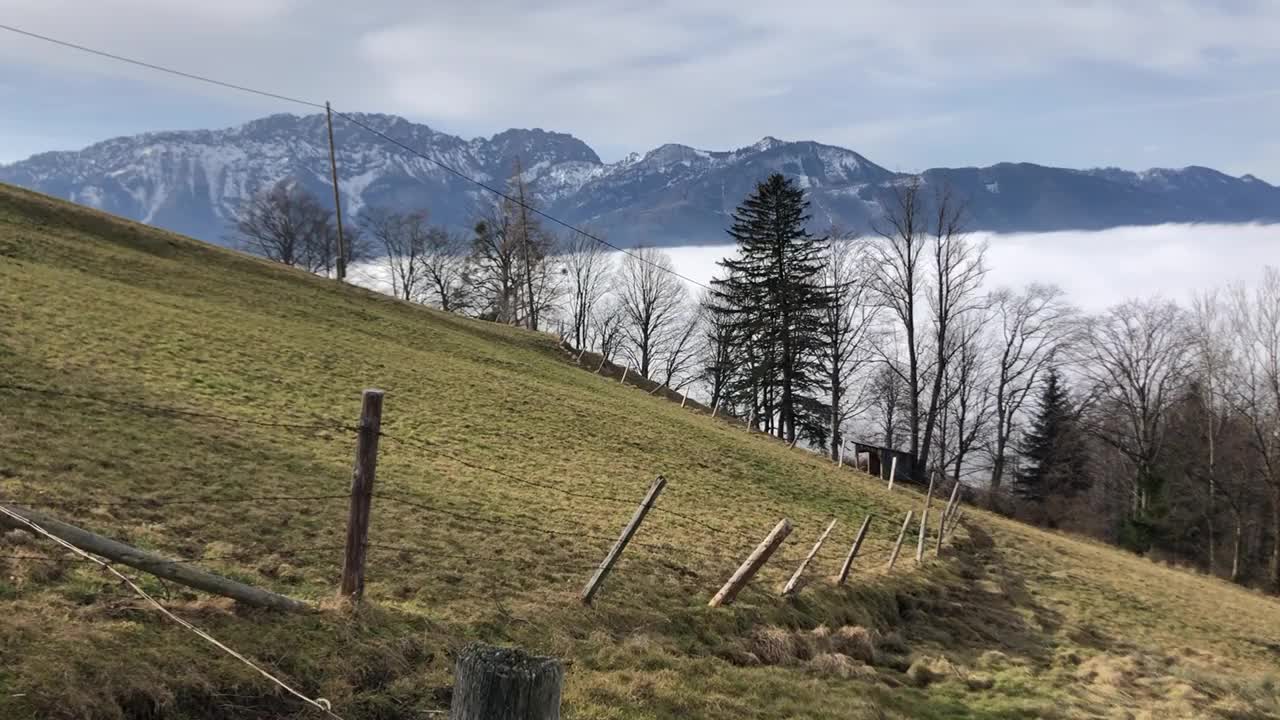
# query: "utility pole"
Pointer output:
{"type": "Point", "coordinates": [337, 197]}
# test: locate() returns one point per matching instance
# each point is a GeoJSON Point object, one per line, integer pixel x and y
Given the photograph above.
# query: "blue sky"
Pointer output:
{"type": "Point", "coordinates": [908, 84]}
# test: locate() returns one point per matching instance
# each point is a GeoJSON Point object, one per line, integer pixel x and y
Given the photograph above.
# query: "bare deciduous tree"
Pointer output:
{"type": "Point", "coordinates": [402, 238]}
{"type": "Point", "coordinates": [1256, 392]}
{"type": "Point", "coordinates": [1029, 328]}
{"type": "Point", "coordinates": [1135, 361]}
{"type": "Point", "coordinates": [495, 259]}
{"type": "Point", "coordinates": [898, 257]}
{"type": "Point", "coordinates": [287, 224]}
{"type": "Point", "coordinates": [446, 271]}
{"type": "Point", "coordinates": [588, 273]}
{"type": "Point", "coordinates": [651, 299]}
{"type": "Point", "coordinates": [846, 326]}
{"type": "Point", "coordinates": [958, 266]}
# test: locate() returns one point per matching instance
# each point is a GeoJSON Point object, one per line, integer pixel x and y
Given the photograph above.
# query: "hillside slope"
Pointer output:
{"type": "Point", "coordinates": [494, 441]}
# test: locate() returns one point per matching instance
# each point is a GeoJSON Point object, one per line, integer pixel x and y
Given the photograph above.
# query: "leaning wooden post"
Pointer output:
{"type": "Point", "coordinates": [893, 470]}
{"type": "Point", "coordinates": [951, 502]}
{"type": "Point", "coordinates": [840, 463]}
{"type": "Point", "coordinates": [752, 565]}
{"type": "Point", "coordinates": [955, 520]}
{"type": "Point", "coordinates": [795, 577]}
{"type": "Point", "coordinates": [853, 552]}
{"type": "Point", "coordinates": [352, 586]}
{"type": "Point", "coordinates": [684, 399]}
{"type": "Point", "coordinates": [625, 368]}
{"type": "Point", "coordinates": [893, 556]}
{"type": "Point", "coordinates": [493, 683]}
{"type": "Point", "coordinates": [593, 585]}
{"type": "Point", "coordinates": [942, 530]}
{"type": "Point", "coordinates": [924, 522]}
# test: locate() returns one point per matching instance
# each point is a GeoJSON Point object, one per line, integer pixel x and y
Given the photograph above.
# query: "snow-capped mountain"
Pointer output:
{"type": "Point", "coordinates": [194, 182]}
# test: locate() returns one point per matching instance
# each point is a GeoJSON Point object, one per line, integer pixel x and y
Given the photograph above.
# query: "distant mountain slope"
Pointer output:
{"type": "Point", "coordinates": [194, 181]}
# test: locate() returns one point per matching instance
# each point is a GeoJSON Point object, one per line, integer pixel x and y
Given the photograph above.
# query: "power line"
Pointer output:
{"type": "Point", "coordinates": [158, 68]}
{"type": "Point", "coordinates": [439, 163]}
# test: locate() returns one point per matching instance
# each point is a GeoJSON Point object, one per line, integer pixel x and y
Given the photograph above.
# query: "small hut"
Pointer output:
{"type": "Point", "coordinates": [881, 459]}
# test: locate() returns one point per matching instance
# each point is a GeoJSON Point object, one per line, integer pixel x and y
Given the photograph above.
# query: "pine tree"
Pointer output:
{"type": "Point", "coordinates": [774, 294]}
{"type": "Point", "coordinates": [1055, 461]}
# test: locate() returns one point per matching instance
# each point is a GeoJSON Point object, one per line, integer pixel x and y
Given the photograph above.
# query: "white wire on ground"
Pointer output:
{"type": "Point", "coordinates": [319, 703]}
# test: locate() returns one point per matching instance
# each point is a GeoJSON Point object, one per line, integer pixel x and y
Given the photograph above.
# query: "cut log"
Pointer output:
{"type": "Point", "coordinates": [492, 683]}
{"type": "Point", "coordinates": [149, 562]}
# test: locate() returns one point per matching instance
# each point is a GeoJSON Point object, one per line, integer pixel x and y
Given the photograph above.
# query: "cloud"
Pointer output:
{"type": "Point", "coordinates": [628, 75]}
{"type": "Point", "coordinates": [1102, 268]}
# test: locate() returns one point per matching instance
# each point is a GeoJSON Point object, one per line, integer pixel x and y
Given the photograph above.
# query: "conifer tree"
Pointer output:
{"type": "Point", "coordinates": [1055, 463]}
{"type": "Point", "coordinates": [775, 297]}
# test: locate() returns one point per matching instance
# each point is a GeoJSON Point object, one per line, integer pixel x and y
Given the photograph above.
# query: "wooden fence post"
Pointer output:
{"type": "Point", "coordinates": [893, 470]}
{"type": "Point", "coordinates": [752, 564]}
{"type": "Point", "coordinates": [795, 577]}
{"type": "Point", "coordinates": [840, 463]}
{"type": "Point", "coordinates": [942, 529]}
{"type": "Point", "coordinates": [951, 502]}
{"type": "Point", "coordinates": [893, 557]}
{"type": "Point", "coordinates": [625, 368]}
{"type": "Point", "coordinates": [492, 683]}
{"type": "Point", "coordinates": [924, 521]}
{"type": "Point", "coordinates": [955, 519]}
{"type": "Point", "coordinates": [593, 585]}
{"type": "Point", "coordinates": [352, 586]}
{"type": "Point", "coordinates": [684, 399]}
{"type": "Point", "coordinates": [853, 552]}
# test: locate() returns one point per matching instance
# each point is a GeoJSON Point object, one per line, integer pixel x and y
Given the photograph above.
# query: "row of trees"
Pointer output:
{"type": "Point", "coordinates": [1150, 425]}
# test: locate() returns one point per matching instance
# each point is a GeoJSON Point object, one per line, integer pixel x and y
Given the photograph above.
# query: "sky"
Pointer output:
{"type": "Point", "coordinates": [910, 84]}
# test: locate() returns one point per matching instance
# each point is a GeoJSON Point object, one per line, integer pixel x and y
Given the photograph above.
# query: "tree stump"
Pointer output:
{"type": "Point", "coordinates": [493, 683]}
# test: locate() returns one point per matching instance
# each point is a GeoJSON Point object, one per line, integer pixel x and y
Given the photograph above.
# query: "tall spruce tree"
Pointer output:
{"type": "Point", "coordinates": [773, 293]}
{"type": "Point", "coordinates": [1055, 461]}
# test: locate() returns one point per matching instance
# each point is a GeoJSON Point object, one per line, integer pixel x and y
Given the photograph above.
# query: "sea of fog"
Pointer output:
{"type": "Point", "coordinates": [1101, 268]}
{"type": "Point", "coordinates": [1096, 269]}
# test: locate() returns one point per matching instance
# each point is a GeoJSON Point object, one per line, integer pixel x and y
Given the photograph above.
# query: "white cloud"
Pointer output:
{"type": "Point", "coordinates": [628, 75]}
{"type": "Point", "coordinates": [1099, 269]}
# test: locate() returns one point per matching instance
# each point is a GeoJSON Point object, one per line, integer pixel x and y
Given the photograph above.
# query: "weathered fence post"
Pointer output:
{"type": "Point", "coordinates": [955, 520]}
{"type": "Point", "coordinates": [492, 683]}
{"type": "Point", "coordinates": [924, 521]}
{"type": "Point", "coordinates": [853, 552]}
{"type": "Point", "coordinates": [684, 399]}
{"type": "Point", "coordinates": [951, 502]}
{"type": "Point", "coordinates": [625, 368]}
{"type": "Point", "coordinates": [897, 546]}
{"type": "Point", "coordinates": [893, 470]}
{"type": "Point", "coordinates": [942, 530]}
{"type": "Point", "coordinates": [795, 577]}
{"type": "Point", "coordinates": [352, 586]}
{"type": "Point", "coordinates": [752, 564]}
{"type": "Point", "coordinates": [593, 585]}
{"type": "Point", "coordinates": [840, 463]}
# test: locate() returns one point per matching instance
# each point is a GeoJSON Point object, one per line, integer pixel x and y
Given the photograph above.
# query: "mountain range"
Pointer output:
{"type": "Point", "coordinates": [194, 182]}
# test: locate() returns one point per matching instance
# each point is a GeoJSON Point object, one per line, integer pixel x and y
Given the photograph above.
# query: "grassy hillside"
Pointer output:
{"type": "Point", "coordinates": [1008, 622]}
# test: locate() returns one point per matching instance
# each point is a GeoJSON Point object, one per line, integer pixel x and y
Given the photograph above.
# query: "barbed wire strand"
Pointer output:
{"type": "Point", "coordinates": [160, 409]}
{"type": "Point", "coordinates": [153, 503]}
{"type": "Point", "coordinates": [318, 703]}
{"type": "Point", "coordinates": [433, 449]}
